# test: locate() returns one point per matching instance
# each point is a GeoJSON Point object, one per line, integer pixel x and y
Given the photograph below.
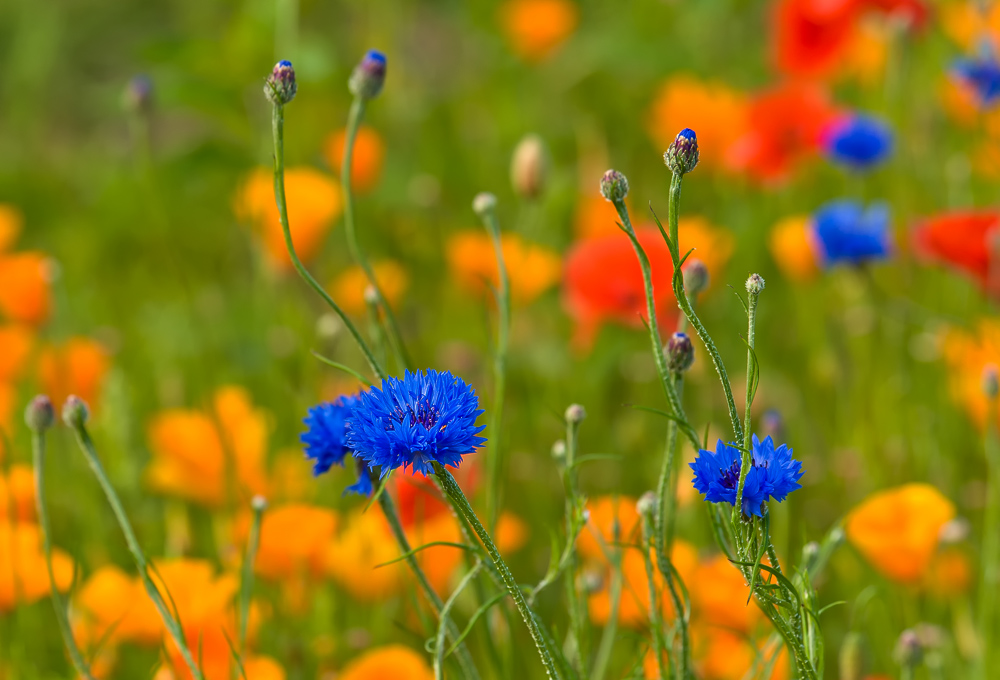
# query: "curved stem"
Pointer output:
{"type": "Point", "coordinates": [655, 622]}
{"type": "Point", "coordinates": [58, 603]}
{"type": "Point", "coordinates": [354, 117]}
{"type": "Point", "coordinates": [278, 129]}
{"type": "Point", "coordinates": [577, 608]}
{"type": "Point", "coordinates": [442, 626]}
{"type": "Point", "coordinates": [454, 492]}
{"type": "Point", "coordinates": [246, 582]}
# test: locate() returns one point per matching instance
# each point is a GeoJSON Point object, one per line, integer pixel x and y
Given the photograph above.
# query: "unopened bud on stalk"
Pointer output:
{"type": "Point", "coordinates": [682, 154]}
{"type": "Point", "coordinates": [991, 381]}
{"type": "Point", "coordinates": [280, 87]}
{"type": "Point", "coordinates": [575, 414]}
{"type": "Point", "coordinates": [75, 412]}
{"type": "Point", "coordinates": [695, 276]}
{"type": "Point", "coordinates": [39, 415]}
{"type": "Point", "coordinates": [909, 650]}
{"type": "Point", "coordinates": [371, 295]}
{"type": "Point", "coordinates": [369, 75]}
{"type": "Point", "coordinates": [138, 94]}
{"type": "Point", "coordinates": [755, 284]}
{"type": "Point", "coordinates": [529, 167]}
{"type": "Point", "coordinates": [258, 503]}
{"type": "Point", "coordinates": [591, 581]}
{"type": "Point", "coordinates": [646, 505]}
{"type": "Point", "coordinates": [484, 204]}
{"type": "Point", "coordinates": [559, 451]}
{"type": "Point", "coordinates": [614, 186]}
{"type": "Point", "coordinates": [680, 352]}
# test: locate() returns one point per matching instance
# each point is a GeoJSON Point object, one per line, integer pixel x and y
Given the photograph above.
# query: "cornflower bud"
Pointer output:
{"type": "Point", "coordinates": [682, 154]}
{"type": "Point", "coordinates": [39, 415]}
{"type": "Point", "coordinates": [484, 204]}
{"type": "Point", "coordinates": [138, 94]}
{"type": "Point", "coordinates": [909, 650]}
{"type": "Point", "coordinates": [755, 284]}
{"type": "Point", "coordinates": [280, 87]}
{"type": "Point", "coordinates": [368, 76]}
{"type": "Point", "coordinates": [614, 186]}
{"type": "Point", "coordinates": [258, 503]}
{"type": "Point", "coordinates": [559, 451]}
{"type": "Point", "coordinates": [529, 167]}
{"type": "Point", "coordinates": [75, 412]}
{"type": "Point", "coordinates": [646, 505]}
{"type": "Point", "coordinates": [695, 276]}
{"type": "Point", "coordinates": [575, 414]}
{"type": "Point", "coordinates": [680, 352]}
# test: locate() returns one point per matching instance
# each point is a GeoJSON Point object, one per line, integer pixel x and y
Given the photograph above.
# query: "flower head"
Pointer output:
{"type": "Point", "coordinates": [858, 142]}
{"type": "Point", "coordinates": [846, 232]}
{"type": "Point", "coordinates": [982, 75]}
{"type": "Point", "coordinates": [280, 87]}
{"type": "Point", "coordinates": [325, 438]}
{"type": "Point", "coordinates": [773, 474]}
{"type": "Point", "coordinates": [682, 154]}
{"type": "Point", "coordinates": [536, 28]}
{"type": "Point", "coordinates": [368, 76]}
{"type": "Point", "coordinates": [424, 418]}
{"type": "Point", "coordinates": [962, 239]}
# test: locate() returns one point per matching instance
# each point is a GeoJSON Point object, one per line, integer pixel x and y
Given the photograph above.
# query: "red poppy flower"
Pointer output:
{"type": "Point", "coordinates": [786, 126]}
{"type": "Point", "coordinates": [603, 282]}
{"type": "Point", "coordinates": [811, 36]}
{"type": "Point", "coordinates": [963, 239]}
{"type": "Point", "coordinates": [420, 501]}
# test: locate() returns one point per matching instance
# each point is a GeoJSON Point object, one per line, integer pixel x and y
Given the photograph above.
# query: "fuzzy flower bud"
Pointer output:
{"type": "Point", "coordinates": [529, 167]}
{"type": "Point", "coordinates": [614, 186]}
{"type": "Point", "coordinates": [559, 451]}
{"type": "Point", "coordinates": [909, 650]}
{"type": "Point", "coordinates": [680, 352]}
{"type": "Point", "coordinates": [369, 75]}
{"type": "Point", "coordinates": [39, 415]}
{"type": "Point", "coordinates": [280, 87]}
{"type": "Point", "coordinates": [370, 295]}
{"type": "Point", "coordinates": [695, 276]}
{"type": "Point", "coordinates": [755, 284]}
{"type": "Point", "coordinates": [575, 414]}
{"type": "Point", "coordinates": [75, 412]}
{"type": "Point", "coordinates": [484, 204]}
{"type": "Point", "coordinates": [258, 503]}
{"type": "Point", "coordinates": [682, 154]}
{"type": "Point", "coordinates": [991, 381]}
{"type": "Point", "coordinates": [646, 505]}
{"type": "Point", "coordinates": [138, 94]}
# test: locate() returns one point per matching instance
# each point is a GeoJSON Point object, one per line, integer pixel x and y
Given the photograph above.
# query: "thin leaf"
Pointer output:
{"type": "Point", "coordinates": [472, 622]}
{"type": "Point", "coordinates": [829, 606]}
{"type": "Point", "coordinates": [236, 657]}
{"type": "Point", "coordinates": [340, 366]}
{"type": "Point", "coordinates": [409, 553]}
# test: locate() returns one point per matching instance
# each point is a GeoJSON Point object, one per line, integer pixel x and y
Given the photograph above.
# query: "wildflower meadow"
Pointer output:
{"type": "Point", "coordinates": [562, 339]}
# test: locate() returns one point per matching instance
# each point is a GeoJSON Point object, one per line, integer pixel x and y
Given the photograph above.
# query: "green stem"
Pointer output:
{"type": "Point", "coordinates": [655, 623]}
{"type": "Point", "coordinates": [454, 492]}
{"type": "Point", "coordinates": [142, 565]}
{"type": "Point", "coordinates": [990, 576]}
{"type": "Point", "coordinates": [354, 117]}
{"type": "Point", "coordinates": [746, 461]}
{"type": "Point", "coordinates": [58, 603]}
{"type": "Point", "coordinates": [278, 129]}
{"type": "Point", "coordinates": [246, 584]}
{"type": "Point", "coordinates": [577, 610]}
{"type": "Point", "coordinates": [607, 644]}
{"type": "Point", "coordinates": [442, 626]}
{"type": "Point", "coordinates": [666, 494]}
{"type": "Point", "coordinates": [494, 453]}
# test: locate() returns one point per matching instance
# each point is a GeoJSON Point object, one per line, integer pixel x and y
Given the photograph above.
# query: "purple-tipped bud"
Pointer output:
{"type": "Point", "coordinates": [695, 276]}
{"type": "Point", "coordinates": [138, 94]}
{"type": "Point", "coordinates": [614, 186]}
{"type": "Point", "coordinates": [991, 381]}
{"type": "Point", "coordinates": [680, 352]}
{"type": "Point", "coordinates": [682, 154]}
{"type": "Point", "coordinates": [75, 412]}
{"type": "Point", "coordinates": [39, 415]}
{"type": "Point", "coordinates": [280, 87]}
{"type": "Point", "coordinates": [575, 414]}
{"type": "Point", "coordinates": [369, 75]}
{"type": "Point", "coordinates": [909, 649]}
{"type": "Point", "coordinates": [755, 284]}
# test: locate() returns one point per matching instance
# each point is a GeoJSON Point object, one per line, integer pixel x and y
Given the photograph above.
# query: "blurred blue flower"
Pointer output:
{"type": "Point", "coordinates": [982, 74]}
{"type": "Point", "coordinates": [859, 142]}
{"type": "Point", "coordinates": [423, 418]}
{"type": "Point", "coordinates": [846, 232]}
{"type": "Point", "coordinates": [363, 487]}
{"type": "Point", "coordinates": [325, 438]}
{"type": "Point", "coordinates": [773, 474]}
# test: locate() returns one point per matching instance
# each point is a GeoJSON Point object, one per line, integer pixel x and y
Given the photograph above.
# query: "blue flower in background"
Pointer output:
{"type": "Point", "coordinates": [773, 475]}
{"type": "Point", "coordinates": [363, 487]}
{"type": "Point", "coordinates": [859, 142]}
{"type": "Point", "coordinates": [325, 438]}
{"type": "Point", "coordinates": [847, 232]}
{"type": "Point", "coordinates": [423, 418]}
{"type": "Point", "coordinates": [982, 74]}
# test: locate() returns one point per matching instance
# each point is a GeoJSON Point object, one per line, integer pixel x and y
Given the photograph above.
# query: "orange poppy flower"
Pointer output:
{"type": "Point", "coordinates": [77, 366]}
{"type": "Point", "coordinates": [11, 223]}
{"type": "Point", "coordinates": [24, 576]}
{"type": "Point", "coordinates": [950, 573]}
{"type": "Point", "coordinates": [610, 516]}
{"type": "Point", "coordinates": [313, 201]}
{"type": "Point", "coordinates": [722, 654]}
{"type": "Point", "coordinates": [596, 216]}
{"type": "Point", "coordinates": [24, 287]}
{"type": "Point", "coordinates": [897, 530]}
{"type": "Point", "coordinates": [535, 28]}
{"type": "Point", "coordinates": [714, 110]}
{"type": "Point", "coordinates": [967, 23]}
{"type": "Point", "coordinates": [963, 239]}
{"type": "Point", "coordinates": [17, 493]}
{"type": "Point", "coordinates": [193, 449]}
{"type": "Point", "coordinates": [16, 343]}
{"type": "Point", "coordinates": [366, 165]}
{"type": "Point", "coordinates": [967, 356]}
{"type": "Point", "coordinates": [531, 269]}
{"type": "Point", "coordinates": [785, 126]}
{"type": "Point", "coordinates": [394, 661]}
{"type": "Point", "coordinates": [352, 558]}
{"type": "Point", "coordinates": [253, 668]}
{"type": "Point", "coordinates": [793, 248]}
{"type": "Point", "coordinates": [868, 53]}
{"type": "Point", "coordinates": [293, 540]}
{"type": "Point", "coordinates": [350, 285]}
{"type": "Point", "coordinates": [719, 596]}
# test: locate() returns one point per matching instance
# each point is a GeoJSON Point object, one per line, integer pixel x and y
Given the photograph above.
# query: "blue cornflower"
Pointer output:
{"type": "Point", "coordinates": [982, 74]}
{"type": "Point", "coordinates": [773, 474]}
{"type": "Point", "coordinates": [326, 437]}
{"type": "Point", "coordinates": [363, 487]}
{"type": "Point", "coordinates": [859, 142]}
{"type": "Point", "coordinates": [847, 232]}
{"type": "Point", "coordinates": [423, 418]}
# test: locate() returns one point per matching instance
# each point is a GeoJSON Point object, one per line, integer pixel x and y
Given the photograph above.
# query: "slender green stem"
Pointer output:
{"type": "Point", "coordinates": [278, 129]}
{"type": "Point", "coordinates": [745, 463]}
{"type": "Point", "coordinates": [375, 328]}
{"type": "Point", "coordinates": [246, 582]}
{"type": "Point", "coordinates": [990, 576]}
{"type": "Point", "coordinates": [58, 603]}
{"type": "Point", "coordinates": [454, 492]}
{"type": "Point", "coordinates": [655, 622]}
{"type": "Point", "coordinates": [462, 653]}
{"type": "Point", "coordinates": [610, 634]}
{"type": "Point", "coordinates": [573, 504]}
{"type": "Point", "coordinates": [443, 627]}
{"type": "Point", "coordinates": [142, 565]}
{"type": "Point", "coordinates": [354, 117]}
{"type": "Point", "coordinates": [494, 452]}
{"type": "Point", "coordinates": [666, 493]}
